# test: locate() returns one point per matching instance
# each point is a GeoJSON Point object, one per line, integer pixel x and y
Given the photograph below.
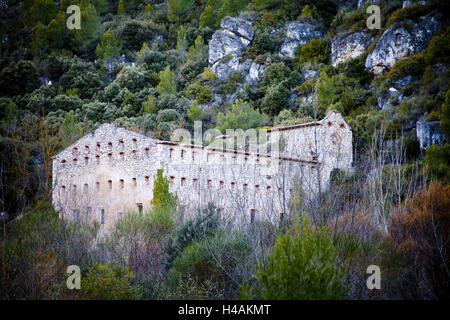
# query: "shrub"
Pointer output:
{"type": "Point", "coordinates": [132, 78]}
{"type": "Point", "coordinates": [205, 224]}
{"type": "Point", "coordinates": [167, 115]}
{"type": "Point", "coordinates": [316, 50]}
{"type": "Point", "coordinates": [419, 231]}
{"type": "Point", "coordinates": [241, 116]}
{"type": "Point", "coordinates": [437, 162]}
{"type": "Point", "coordinates": [108, 282]}
{"type": "Point", "coordinates": [302, 266]}
{"type": "Point", "coordinates": [222, 260]}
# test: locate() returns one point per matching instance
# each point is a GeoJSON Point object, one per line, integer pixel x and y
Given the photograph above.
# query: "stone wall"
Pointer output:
{"type": "Point", "coordinates": [111, 172]}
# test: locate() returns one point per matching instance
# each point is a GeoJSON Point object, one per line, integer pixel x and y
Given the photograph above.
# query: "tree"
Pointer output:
{"type": "Point", "coordinates": [303, 266]}
{"type": "Point", "coordinates": [179, 8]}
{"type": "Point", "coordinates": [181, 39]}
{"type": "Point", "coordinates": [108, 48]}
{"type": "Point", "coordinates": [162, 197]}
{"type": "Point", "coordinates": [195, 112]}
{"type": "Point", "coordinates": [57, 31]}
{"type": "Point", "coordinates": [121, 8]}
{"type": "Point", "coordinates": [445, 115]}
{"type": "Point", "coordinates": [166, 83]}
{"type": "Point", "coordinates": [241, 116]}
{"type": "Point", "coordinates": [84, 40]}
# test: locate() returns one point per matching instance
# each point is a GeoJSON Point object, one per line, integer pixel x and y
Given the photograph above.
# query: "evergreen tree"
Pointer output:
{"type": "Point", "coordinates": [121, 8]}
{"type": "Point", "coordinates": [108, 48]}
{"type": "Point", "coordinates": [57, 31]}
{"type": "Point", "coordinates": [162, 197]}
{"type": "Point", "coordinates": [166, 83]}
{"type": "Point", "coordinates": [84, 40]}
{"type": "Point", "coordinates": [181, 39]}
{"type": "Point", "coordinates": [179, 8]}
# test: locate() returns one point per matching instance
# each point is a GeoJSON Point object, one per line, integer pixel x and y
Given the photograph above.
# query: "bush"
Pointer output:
{"type": "Point", "coordinates": [132, 78]}
{"type": "Point", "coordinates": [108, 282]}
{"type": "Point", "coordinates": [316, 50]}
{"type": "Point", "coordinates": [167, 115]}
{"type": "Point", "coordinates": [222, 260]}
{"type": "Point", "coordinates": [203, 225]}
{"type": "Point", "coordinates": [437, 162]}
{"type": "Point", "coordinates": [302, 266]}
{"type": "Point", "coordinates": [419, 231]}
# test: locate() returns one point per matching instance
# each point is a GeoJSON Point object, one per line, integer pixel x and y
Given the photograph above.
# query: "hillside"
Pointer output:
{"type": "Point", "coordinates": [156, 66]}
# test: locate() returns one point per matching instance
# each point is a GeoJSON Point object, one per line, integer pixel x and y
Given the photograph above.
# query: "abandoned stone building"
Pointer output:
{"type": "Point", "coordinates": [111, 172]}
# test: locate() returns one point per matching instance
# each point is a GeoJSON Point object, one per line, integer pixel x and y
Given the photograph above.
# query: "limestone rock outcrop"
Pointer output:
{"type": "Point", "coordinates": [298, 34]}
{"type": "Point", "coordinates": [235, 35]}
{"type": "Point", "coordinates": [400, 41]}
{"type": "Point", "coordinates": [344, 47]}
{"type": "Point", "coordinates": [428, 133]}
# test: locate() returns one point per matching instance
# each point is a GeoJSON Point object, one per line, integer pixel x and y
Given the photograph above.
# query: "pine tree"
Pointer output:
{"type": "Point", "coordinates": [108, 48]}
{"type": "Point", "coordinates": [121, 8]}
{"type": "Point", "coordinates": [181, 39]}
{"type": "Point", "coordinates": [166, 83]}
{"type": "Point", "coordinates": [84, 40]}
{"type": "Point", "coordinates": [162, 197]}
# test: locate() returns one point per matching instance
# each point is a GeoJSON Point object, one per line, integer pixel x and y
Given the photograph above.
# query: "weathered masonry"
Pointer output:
{"type": "Point", "coordinates": [111, 171]}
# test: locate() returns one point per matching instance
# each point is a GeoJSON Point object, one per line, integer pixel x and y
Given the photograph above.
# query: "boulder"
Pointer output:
{"type": "Point", "coordinates": [429, 133]}
{"type": "Point", "coordinates": [224, 42]}
{"type": "Point", "coordinates": [225, 68]}
{"type": "Point", "coordinates": [400, 41]}
{"type": "Point", "coordinates": [255, 73]}
{"type": "Point", "coordinates": [298, 34]}
{"type": "Point", "coordinates": [240, 27]}
{"type": "Point", "coordinates": [345, 47]}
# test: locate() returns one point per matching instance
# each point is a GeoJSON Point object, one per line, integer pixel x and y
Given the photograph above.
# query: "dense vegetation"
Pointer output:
{"type": "Point", "coordinates": [143, 65]}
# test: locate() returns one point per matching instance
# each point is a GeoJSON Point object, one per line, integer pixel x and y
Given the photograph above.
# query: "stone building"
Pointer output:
{"type": "Point", "coordinates": [111, 172]}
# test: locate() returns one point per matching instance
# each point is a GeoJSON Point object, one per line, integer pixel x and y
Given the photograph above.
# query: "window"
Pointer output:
{"type": "Point", "coordinates": [85, 188]}
{"type": "Point", "coordinates": [245, 188]}
{"type": "Point", "coordinates": [233, 186]}
{"type": "Point", "coordinates": [86, 160]}
{"type": "Point", "coordinates": [97, 186]}
{"type": "Point", "coordinates": [102, 216]}
{"type": "Point", "coordinates": [182, 154]}
{"type": "Point", "coordinates": [147, 180]}
{"type": "Point", "coordinates": [221, 184]}
{"type": "Point", "coordinates": [134, 182]}
{"type": "Point", "coordinates": [110, 184]}
{"type": "Point", "coordinates": [183, 181]}
{"type": "Point", "coordinates": [74, 188]}
{"type": "Point", "coordinates": [195, 183]}
{"type": "Point", "coordinates": [139, 207]}
{"type": "Point", "coordinates": [122, 155]}
{"type": "Point", "coordinates": [257, 188]}
{"type": "Point", "coordinates": [121, 183]}
{"type": "Point", "coordinates": [172, 179]}
{"type": "Point", "coordinates": [170, 153]}
{"type": "Point", "coordinates": [269, 189]}
{"type": "Point", "coordinates": [63, 189]}
{"type": "Point", "coordinates": [97, 158]}
{"type": "Point", "coordinates": [209, 183]}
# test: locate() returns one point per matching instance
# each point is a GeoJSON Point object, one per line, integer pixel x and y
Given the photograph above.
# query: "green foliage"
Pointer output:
{"type": "Point", "coordinates": [316, 50]}
{"type": "Point", "coordinates": [215, 259]}
{"type": "Point", "coordinates": [179, 8]}
{"type": "Point", "coordinates": [166, 83]}
{"type": "Point", "coordinates": [167, 115]}
{"type": "Point", "coordinates": [445, 115]}
{"type": "Point", "coordinates": [108, 282]}
{"type": "Point", "coordinates": [149, 106]}
{"type": "Point", "coordinates": [132, 78]}
{"type": "Point", "coordinates": [70, 130]}
{"type": "Point", "coordinates": [241, 116]}
{"type": "Point", "coordinates": [181, 39]}
{"type": "Point", "coordinates": [437, 162]}
{"type": "Point", "coordinates": [162, 198]}
{"type": "Point", "coordinates": [109, 48]}
{"type": "Point", "coordinates": [18, 78]}
{"type": "Point", "coordinates": [121, 8]}
{"type": "Point", "coordinates": [84, 40]}
{"type": "Point", "coordinates": [205, 224]}
{"type": "Point", "coordinates": [275, 99]}
{"type": "Point", "coordinates": [195, 112]}
{"type": "Point", "coordinates": [302, 266]}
